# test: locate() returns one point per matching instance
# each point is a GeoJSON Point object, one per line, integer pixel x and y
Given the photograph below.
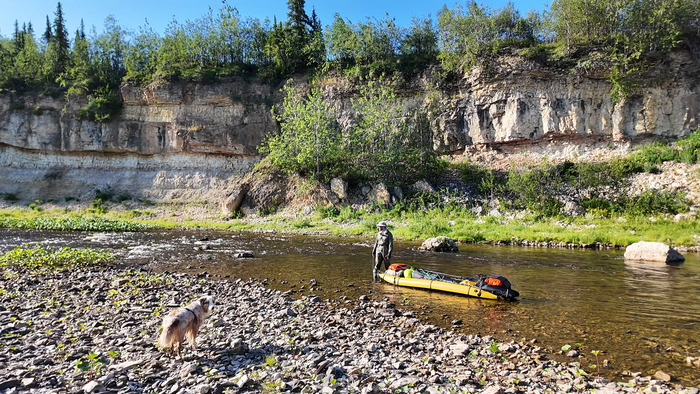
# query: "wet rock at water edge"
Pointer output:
{"type": "Point", "coordinates": [661, 375]}
{"type": "Point", "coordinates": [653, 251]}
{"type": "Point", "coordinates": [439, 244]}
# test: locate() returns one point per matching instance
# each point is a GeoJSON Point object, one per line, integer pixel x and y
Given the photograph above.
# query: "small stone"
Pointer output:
{"type": "Point", "coordinates": [459, 349]}
{"type": "Point", "coordinates": [661, 375]}
{"type": "Point", "coordinates": [202, 389]}
{"type": "Point", "coordinates": [92, 387]}
{"type": "Point", "coordinates": [493, 390]}
{"type": "Point", "coordinates": [187, 370]}
{"type": "Point", "coordinates": [28, 382]}
{"type": "Point", "coordinates": [242, 381]}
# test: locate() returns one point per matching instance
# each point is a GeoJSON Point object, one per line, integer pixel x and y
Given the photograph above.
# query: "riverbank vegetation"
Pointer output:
{"type": "Point", "coordinates": [38, 258]}
{"type": "Point", "coordinates": [72, 224]}
{"type": "Point", "coordinates": [568, 204]}
{"type": "Point", "coordinates": [575, 203]}
{"type": "Point", "coordinates": [622, 37]}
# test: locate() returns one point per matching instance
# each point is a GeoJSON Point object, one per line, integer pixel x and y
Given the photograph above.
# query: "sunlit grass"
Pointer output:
{"type": "Point", "coordinates": [460, 224]}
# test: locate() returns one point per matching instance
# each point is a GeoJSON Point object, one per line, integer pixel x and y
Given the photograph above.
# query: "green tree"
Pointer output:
{"type": "Point", "coordinates": [387, 144]}
{"type": "Point", "coordinates": [419, 47]}
{"type": "Point", "coordinates": [309, 141]}
{"type": "Point", "coordinates": [342, 41]}
{"type": "Point", "coordinates": [77, 75]}
{"type": "Point", "coordinates": [48, 34]}
{"type": "Point", "coordinates": [141, 56]}
{"type": "Point", "coordinates": [59, 46]}
{"type": "Point", "coordinates": [297, 43]}
{"type": "Point", "coordinates": [108, 60]}
{"type": "Point", "coordinates": [28, 61]}
{"type": "Point", "coordinates": [18, 37]}
{"type": "Point", "coordinates": [472, 35]}
{"type": "Point", "coordinates": [257, 35]}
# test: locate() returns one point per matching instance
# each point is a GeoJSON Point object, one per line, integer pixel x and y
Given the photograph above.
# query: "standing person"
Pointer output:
{"type": "Point", "coordinates": [383, 247]}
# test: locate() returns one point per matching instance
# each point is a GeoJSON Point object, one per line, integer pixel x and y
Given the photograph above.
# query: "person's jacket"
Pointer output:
{"type": "Point", "coordinates": [384, 244]}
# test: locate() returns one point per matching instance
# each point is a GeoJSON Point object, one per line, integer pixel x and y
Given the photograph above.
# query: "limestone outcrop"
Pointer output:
{"type": "Point", "coordinates": [187, 140]}
{"type": "Point", "coordinates": [178, 142]}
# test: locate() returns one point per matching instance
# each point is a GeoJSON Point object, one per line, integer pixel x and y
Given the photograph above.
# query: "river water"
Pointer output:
{"type": "Point", "coordinates": [640, 316]}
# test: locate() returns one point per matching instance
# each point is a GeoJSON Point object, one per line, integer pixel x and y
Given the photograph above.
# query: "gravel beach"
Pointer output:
{"type": "Point", "coordinates": [106, 321]}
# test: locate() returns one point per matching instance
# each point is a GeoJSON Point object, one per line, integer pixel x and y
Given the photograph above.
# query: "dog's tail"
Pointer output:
{"type": "Point", "coordinates": [166, 336]}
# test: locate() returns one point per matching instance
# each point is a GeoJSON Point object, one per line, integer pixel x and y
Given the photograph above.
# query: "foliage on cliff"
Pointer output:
{"type": "Point", "coordinates": [592, 188]}
{"type": "Point", "coordinates": [622, 36]}
{"type": "Point", "coordinates": [381, 143]}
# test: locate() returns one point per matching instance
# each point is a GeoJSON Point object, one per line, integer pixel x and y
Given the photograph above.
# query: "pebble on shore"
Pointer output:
{"type": "Point", "coordinates": [257, 339]}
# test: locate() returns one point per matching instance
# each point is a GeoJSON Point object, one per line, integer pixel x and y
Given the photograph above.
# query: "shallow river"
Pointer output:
{"type": "Point", "coordinates": [641, 316]}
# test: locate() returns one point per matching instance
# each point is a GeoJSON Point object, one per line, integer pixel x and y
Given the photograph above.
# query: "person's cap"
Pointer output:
{"type": "Point", "coordinates": [381, 224]}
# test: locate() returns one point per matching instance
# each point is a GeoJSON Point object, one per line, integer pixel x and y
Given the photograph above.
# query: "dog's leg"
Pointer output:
{"type": "Point", "coordinates": [176, 350]}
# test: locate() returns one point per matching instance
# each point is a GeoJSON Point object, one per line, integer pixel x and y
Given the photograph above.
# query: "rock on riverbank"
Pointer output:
{"type": "Point", "coordinates": [257, 339]}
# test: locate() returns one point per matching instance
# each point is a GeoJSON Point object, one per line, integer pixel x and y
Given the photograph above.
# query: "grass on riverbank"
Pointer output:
{"type": "Point", "coordinates": [465, 226]}
{"type": "Point", "coordinates": [460, 224]}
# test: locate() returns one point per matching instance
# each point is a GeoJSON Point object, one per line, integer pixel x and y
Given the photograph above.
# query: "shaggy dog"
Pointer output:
{"type": "Point", "coordinates": [184, 322]}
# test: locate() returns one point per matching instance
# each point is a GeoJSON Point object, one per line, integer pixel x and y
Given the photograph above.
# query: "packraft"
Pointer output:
{"type": "Point", "coordinates": [485, 286]}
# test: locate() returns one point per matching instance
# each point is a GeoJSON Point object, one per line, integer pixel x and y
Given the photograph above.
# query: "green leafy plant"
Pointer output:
{"type": "Point", "coordinates": [74, 224]}
{"type": "Point", "coordinates": [597, 361]}
{"type": "Point", "coordinates": [92, 364]}
{"type": "Point", "coordinates": [36, 258]}
{"type": "Point", "coordinates": [271, 360]}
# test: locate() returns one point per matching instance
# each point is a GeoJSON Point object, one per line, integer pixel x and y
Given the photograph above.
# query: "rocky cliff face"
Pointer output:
{"type": "Point", "coordinates": [185, 141]}
{"type": "Point", "coordinates": [171, 142]}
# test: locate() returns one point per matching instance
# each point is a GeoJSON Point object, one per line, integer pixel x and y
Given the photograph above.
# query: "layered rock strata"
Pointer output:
{"type": "Point", "coordinates": [195, 137]}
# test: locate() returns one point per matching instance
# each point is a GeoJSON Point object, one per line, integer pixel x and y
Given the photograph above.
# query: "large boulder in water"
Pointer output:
{"type": "Point", "coordinates": [653, 251]}
{"type": "Point", "coordinates": [439, 244]}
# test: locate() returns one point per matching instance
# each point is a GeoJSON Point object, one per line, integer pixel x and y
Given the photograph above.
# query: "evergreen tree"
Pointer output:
{"type": "Point", "coordinates": [59, 47]}
{"type": "Point", "coordinates": [18, 38]}
{"type": "Point", "coordinates": [48, 35]}
{"type": "Point", "coordinates": [76, 76]}
{"type": "Point", "coordinates": [297, 43]}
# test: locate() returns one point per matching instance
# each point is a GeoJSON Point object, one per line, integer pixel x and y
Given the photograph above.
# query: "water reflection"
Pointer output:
{"type": "Point", "coordinates": [642, 316]}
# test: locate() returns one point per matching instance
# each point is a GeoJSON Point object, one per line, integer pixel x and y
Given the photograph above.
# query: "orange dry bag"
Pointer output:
{"type": "Point", "coordinates": [398, 267]}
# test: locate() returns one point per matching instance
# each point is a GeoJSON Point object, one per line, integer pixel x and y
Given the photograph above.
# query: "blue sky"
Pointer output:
{"type": "Point", "coordinates": [132, 14]}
